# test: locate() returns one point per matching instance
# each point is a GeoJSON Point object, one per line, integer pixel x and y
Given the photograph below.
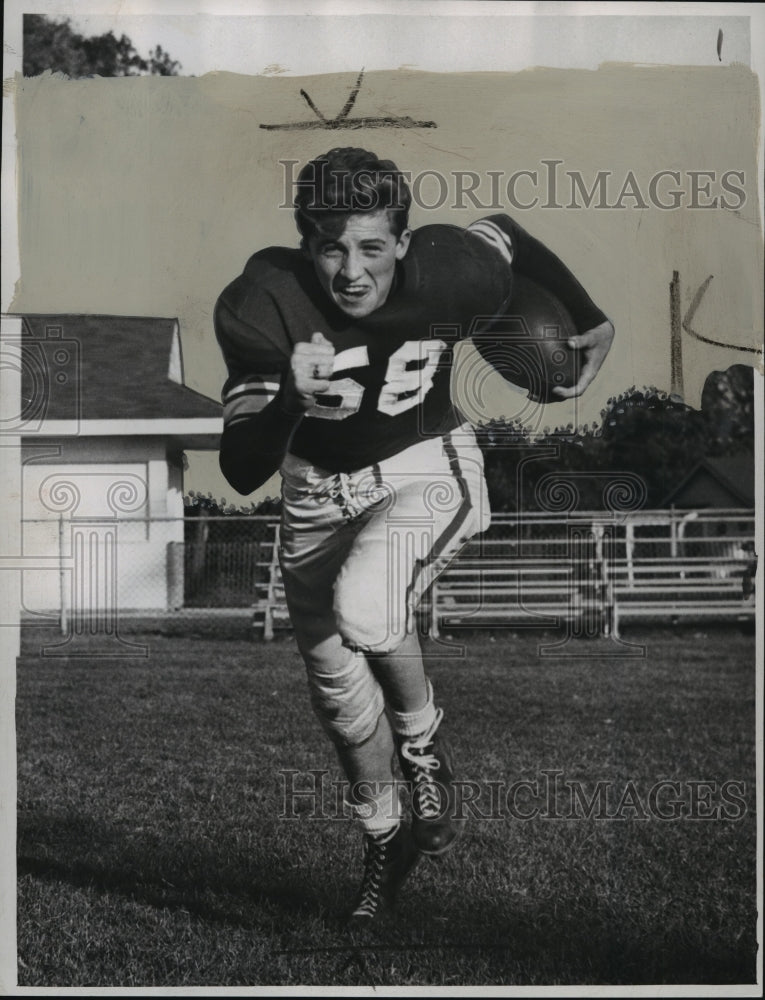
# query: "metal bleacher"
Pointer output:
{"type": "Point", "coordinates": [608, 569]}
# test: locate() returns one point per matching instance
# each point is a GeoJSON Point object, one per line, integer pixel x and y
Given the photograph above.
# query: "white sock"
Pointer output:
{"type": "Point", "coordinates": [414, 723]}
{"type": "Point", "coordinates": [380, 813]}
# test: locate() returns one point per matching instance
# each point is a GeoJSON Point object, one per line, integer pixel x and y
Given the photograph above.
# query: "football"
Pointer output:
{"type": "Point", "coordinates": [528, 344]}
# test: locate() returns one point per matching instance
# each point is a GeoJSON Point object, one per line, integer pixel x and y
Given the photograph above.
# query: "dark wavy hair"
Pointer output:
{"type": "Point", "coordinates": [348, 181]}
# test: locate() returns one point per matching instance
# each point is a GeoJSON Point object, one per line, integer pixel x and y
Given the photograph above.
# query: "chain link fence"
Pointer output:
{"type": "Point", "coordinates": [113, 576]}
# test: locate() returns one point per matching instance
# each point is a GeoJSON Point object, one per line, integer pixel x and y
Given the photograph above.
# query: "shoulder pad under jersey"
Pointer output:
{"type": "Point", "coordinates": [248, 322]}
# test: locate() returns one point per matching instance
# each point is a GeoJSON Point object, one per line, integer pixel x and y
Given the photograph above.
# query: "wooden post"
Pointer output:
{"type": "Point", "coordinates": [629, 546]}
{"type": "Point", "coordinates": [434, 633]}
{"type": "Point", "coordinates": [676, 342]}
{"type": "Point", "coordinates": [63, 609]}
{"type": "Point", "coordinates": [672, 532]}
{"type": "Point", "coordinates": [273, 569]}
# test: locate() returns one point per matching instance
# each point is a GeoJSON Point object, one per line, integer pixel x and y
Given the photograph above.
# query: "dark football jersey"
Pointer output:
{"type": "Point", "coordinates": [392, 369]}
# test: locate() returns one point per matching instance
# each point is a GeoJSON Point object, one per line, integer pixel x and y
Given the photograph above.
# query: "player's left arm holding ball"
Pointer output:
{"type": "Point", "coordinates": [529, 256]}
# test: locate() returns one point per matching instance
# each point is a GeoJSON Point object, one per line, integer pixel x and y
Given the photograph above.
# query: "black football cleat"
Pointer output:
{"type": "Point", "coordinates": [426, 762]}
{"type": "Point", "coordinates": [388, 859]}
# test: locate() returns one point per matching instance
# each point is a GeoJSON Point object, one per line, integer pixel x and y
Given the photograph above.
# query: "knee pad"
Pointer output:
{"type": "Point", "coordinates": [347, 699]}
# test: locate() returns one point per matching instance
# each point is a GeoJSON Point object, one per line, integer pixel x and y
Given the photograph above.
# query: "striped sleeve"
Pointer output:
{"type": "Point", "coordinates": [254, 348]}
{"type": "Point", "coordinates": [245, 395]}
{"type": "Point", "coordinates": [497, 238]}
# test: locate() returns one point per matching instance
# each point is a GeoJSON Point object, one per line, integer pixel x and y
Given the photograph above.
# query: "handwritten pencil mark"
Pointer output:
{"type": "Point", "coordinates": [352, 99]}
{"type": "Point", "coordinates": [692, 308]}
{"type": "Point", "coordinates": [341, 119]}
{"type": "Point", "coordinates": [311, 105]}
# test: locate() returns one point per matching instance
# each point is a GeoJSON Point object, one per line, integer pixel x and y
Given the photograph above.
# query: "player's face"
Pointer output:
{"type": "Point", "coordinates": [356, 268]}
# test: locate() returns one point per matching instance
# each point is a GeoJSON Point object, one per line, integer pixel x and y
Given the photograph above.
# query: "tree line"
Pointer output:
{"type": "Point", "coordinates": [56, 46]}
{"type": "Point", "coordinates": [651, 435]}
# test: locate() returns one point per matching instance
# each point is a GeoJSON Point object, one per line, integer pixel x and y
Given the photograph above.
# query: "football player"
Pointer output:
{"type": "Point", "coordinates": [339, 358]}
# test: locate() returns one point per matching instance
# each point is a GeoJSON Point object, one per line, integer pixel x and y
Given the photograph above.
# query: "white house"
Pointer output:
{"type": "Point", "coordinates": [105, 419]}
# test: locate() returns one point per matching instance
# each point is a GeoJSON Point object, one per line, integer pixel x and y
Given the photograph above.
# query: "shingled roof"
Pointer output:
{"type": "Point", "coordinates": [108, 368]}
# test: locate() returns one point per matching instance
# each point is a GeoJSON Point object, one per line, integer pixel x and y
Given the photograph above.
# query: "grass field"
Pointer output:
{"type": "Point", "coordinates": [153, 850]}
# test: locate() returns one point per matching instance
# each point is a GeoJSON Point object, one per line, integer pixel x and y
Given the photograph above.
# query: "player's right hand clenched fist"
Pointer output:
{"type": "Point", "coordinates": [310, 370]}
